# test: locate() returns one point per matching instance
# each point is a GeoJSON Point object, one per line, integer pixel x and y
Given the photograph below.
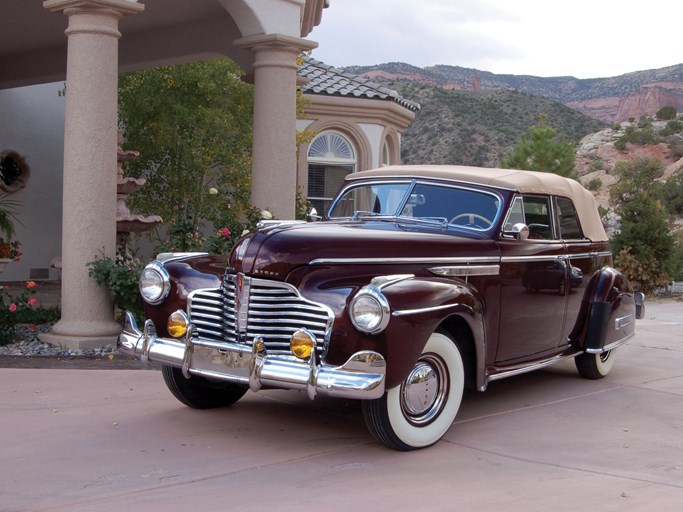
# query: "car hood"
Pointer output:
{"type": "Point", "coordinates": [276, 251]}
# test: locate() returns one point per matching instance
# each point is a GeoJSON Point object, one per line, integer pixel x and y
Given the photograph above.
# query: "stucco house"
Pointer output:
{"type": "Point", "coordinates": [68, 205]}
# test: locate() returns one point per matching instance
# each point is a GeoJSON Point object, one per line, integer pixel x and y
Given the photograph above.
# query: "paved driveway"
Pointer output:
{"type": "Point", "coordinates": [112, 440]}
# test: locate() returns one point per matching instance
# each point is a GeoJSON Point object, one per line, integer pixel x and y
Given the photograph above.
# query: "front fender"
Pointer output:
{"type": "Point", "coordinates": [186, 275]}
{"type": "Point", "coordinates": [418, 306]}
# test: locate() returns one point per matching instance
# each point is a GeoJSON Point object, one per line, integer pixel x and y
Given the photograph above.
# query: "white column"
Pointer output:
{"type": "Point", "coordinates": [89, 204]}
{"type": "Point", "coordinates": [273, 176]}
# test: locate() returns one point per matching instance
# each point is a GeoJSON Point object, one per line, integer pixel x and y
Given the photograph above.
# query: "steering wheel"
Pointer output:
{"type": "Point", "coordinates": [472, 218]}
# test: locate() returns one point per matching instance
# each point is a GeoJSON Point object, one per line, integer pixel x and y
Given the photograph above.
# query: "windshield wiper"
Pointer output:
{"type": "Point", "coordinates": [364, 213]}
{"type": "Point", "coordinates": [442, 222]}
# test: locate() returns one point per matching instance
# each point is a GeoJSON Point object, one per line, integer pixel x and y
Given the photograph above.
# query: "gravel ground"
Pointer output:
{"type": "Point", "coordinates": [28, 351]}
{"type": "Point", "coordinates": [26, 343]}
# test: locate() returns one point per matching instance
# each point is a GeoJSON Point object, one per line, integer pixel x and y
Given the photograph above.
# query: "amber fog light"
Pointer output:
{"type": "Point", "coordinates": [302, 343]}
{"type": "Point", "coordinates": [177, 324]}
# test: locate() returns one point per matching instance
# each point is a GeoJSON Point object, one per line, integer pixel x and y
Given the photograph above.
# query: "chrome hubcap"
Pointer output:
{"type": "Point", "coordinates": [423, 393]}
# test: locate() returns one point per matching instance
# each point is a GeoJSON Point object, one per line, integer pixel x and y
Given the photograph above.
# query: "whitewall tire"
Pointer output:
{"type": "Point", "coordinates": [595, 366]}
{"type": "Point", "coordinates": [418, 412]}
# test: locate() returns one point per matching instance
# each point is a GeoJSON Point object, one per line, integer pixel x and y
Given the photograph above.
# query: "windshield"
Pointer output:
{"type": "Point", "coordinates": [448, 205]}
{"type": "Point", "coordinates": [381, 199]}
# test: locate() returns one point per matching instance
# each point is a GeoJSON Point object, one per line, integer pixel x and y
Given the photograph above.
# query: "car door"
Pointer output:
{"type": "Point", "coordinates": [534, 275]}
{"type": "Point", "coordinates": [581, 257]}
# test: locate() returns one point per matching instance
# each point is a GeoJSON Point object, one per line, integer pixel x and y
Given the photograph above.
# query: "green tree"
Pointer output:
{"type": "Point", "coordinates": [634, 177]}
{"type": "Point", "coordinates": [192, 126]}
{"type": "Point", "coordinates": [671, 195]}
{"type": "Point", "coordinates": [541, 150]}
{"type": "Point", "coordinates": [644, 248]}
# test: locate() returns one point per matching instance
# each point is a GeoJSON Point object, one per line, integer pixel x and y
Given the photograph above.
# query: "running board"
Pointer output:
{"type": "Point", "coordinates": [526, 369]}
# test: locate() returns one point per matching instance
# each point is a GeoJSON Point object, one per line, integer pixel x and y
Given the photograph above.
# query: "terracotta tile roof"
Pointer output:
{"type": "Point", "coordinates": [325, 79]}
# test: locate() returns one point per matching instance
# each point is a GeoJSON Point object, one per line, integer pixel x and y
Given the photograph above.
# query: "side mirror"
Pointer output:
{"type": "Point", "coordinates": [312, 215]}
{"type": "Point", "coordinates": [519, 231]}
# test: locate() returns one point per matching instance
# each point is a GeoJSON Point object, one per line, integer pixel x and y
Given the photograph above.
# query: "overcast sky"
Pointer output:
{"type": "Point", "coordinates": [580, 38]}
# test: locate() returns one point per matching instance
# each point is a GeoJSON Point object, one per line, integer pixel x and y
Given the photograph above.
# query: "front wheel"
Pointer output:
{"type": "Point", "coordinates": [594, 366]}
{"type": "Point", "coordinates": [201, 393]}
{"type": "Point", "coordinates": [418, 412]}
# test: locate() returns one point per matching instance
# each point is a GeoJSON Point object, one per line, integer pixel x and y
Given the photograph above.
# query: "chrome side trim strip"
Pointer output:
{"type": "Point", "coordinates": [466, 270]}
{"type": "Point", "coordinates": [165, 257]}
{"type": "Point", "coordinates": [522, 259]}
{"type": "Point", "coordinates": [391, 261]}
{"type": "Point", "coordinates": [611, 346]}
{"type": "Point", "coordinates": [452, 261]}
{"type": "Point", "coordinates": [530, 368]}
{"type": "Point", "coordinates": [623, 321]}
{"type": "Point", "coordinates": [405, 312]}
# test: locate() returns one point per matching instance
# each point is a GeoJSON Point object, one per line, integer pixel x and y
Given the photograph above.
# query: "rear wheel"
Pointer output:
{"type": "Point", "coordinates": [594, 366]}
{"type": "Point", "coordinates": [201, 393]}
{"type": "Point", "coordinates": [418, 412]}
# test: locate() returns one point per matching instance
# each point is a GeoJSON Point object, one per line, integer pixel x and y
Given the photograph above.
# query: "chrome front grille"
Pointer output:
{"type": "Point", "coordinates": [270, 309]}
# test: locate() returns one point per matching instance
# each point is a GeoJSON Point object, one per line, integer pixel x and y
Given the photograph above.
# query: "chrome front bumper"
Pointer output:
{"type": "Point", "coordinates": [361, 377]}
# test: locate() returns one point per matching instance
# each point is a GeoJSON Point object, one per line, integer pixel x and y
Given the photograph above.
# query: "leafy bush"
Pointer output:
{"type": "Point", "coordinates": [644, 122]}
{"type": "Point", "coordinates": [666, 113]}
{"type": "Point", "coordinates": [643, 272]}
{"type": "Point", "coordinates": [594, 184]}
{"type": "Point", "coordinates": [120, 276]}
{"type": "Point", "coordinates": [672, 126]}
{"type": "Point", "coordinates": [643, 135]}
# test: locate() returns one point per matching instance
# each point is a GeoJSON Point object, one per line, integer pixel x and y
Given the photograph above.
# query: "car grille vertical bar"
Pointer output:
{"type": "Point", "coordinates": [275, 311]}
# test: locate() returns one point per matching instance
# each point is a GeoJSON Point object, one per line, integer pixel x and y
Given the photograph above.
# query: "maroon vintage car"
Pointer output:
{"type": "Point", "coordinates": [419, 281]}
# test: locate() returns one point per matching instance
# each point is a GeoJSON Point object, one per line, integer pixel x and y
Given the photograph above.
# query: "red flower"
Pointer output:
{"type": "Point", "coordinates": [31, 284]}
{"type": "Point", "coordinates": [13, 307]}
{"type": "Point", "coordinates": [32, 301]}
{"type": "Point", "coordinates": [224, 232]}
{"type": "Point", "coordinates": [10, 250]}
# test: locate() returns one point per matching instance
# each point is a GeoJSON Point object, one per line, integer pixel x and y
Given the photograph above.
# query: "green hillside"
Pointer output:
{"type": "Point", "coordinates": [478, 127]}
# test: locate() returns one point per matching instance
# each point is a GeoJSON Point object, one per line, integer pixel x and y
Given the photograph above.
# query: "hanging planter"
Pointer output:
{"type": "Point", "coordinates": [3, 264]}
{"type": "Point", "coordinates": [9, 251]}
{"type": "Point", "coordinates": [14, 171]}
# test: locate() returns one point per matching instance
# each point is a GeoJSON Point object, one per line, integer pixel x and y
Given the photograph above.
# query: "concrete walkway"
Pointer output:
{"type": "Point", "coordinates": [99, 440]}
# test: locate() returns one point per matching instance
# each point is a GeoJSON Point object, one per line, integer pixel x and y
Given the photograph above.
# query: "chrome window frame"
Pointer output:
{"type": "Point", "coordinates": [413, 182]}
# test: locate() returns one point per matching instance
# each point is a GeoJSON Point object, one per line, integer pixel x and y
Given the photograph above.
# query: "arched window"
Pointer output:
{"type": "Point", "coordinates": [386, 159]}
{"type": "Point", "coordinates": [330, 158]}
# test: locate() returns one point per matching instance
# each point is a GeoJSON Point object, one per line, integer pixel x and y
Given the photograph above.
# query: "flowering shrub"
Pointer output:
{"type": "Point", "coordinates": [120, 276]}
{"type": "Point", "coordinates": [21, 309]}
{"type": "Point", "coordinates": [10, 250]}
{"type": "Point", "coordinates": [221, 242]}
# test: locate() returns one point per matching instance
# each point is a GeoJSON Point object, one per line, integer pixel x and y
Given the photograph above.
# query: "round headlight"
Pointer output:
{"type": "Point", "coordinates": [154, 283]}
{"type": "Point", "coordinates": [370, 311]}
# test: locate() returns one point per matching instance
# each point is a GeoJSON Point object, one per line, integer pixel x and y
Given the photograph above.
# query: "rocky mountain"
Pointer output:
{"type": "Point", "coordinates": [478, 127]}
{"type": "Point", "coordinates": [611, 100]}
{"type": "Point", "coordinates": [598, 153]}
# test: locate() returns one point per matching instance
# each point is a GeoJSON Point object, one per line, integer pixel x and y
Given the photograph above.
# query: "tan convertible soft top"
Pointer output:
{"type": "Point", "coordinates": [526, 182]}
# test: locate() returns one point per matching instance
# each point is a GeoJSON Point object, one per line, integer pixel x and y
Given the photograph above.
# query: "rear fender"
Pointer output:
{"type": "Point", "coordinates": [608, 312]}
